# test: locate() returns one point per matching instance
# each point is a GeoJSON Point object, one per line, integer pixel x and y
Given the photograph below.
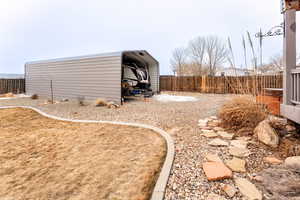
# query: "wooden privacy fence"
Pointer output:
{"type": "Point", "coordinates": [12, 85]}
{"type": "Point", "coordinates": [221, 84]}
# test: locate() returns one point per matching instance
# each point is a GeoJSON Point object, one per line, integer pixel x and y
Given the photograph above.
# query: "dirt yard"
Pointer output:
{"type": "Point", "coordinates": [46, 159]}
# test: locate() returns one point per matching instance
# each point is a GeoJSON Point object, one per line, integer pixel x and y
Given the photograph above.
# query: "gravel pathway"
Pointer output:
{"type": "Point", "coordinates": [180, 119]}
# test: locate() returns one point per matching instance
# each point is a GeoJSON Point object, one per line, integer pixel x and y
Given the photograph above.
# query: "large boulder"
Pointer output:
{"type": "Point", "coordinates": [293, 162]}
{"type": "Point", "coordinates": [266, 134]}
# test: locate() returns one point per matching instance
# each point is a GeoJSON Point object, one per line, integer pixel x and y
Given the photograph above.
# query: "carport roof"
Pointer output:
{"type": "Point", "coordinates": [111, 54]}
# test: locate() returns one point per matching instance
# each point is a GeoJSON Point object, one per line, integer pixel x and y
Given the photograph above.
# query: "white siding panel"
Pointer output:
{"type": "Point", "coordinates": [95, 77]}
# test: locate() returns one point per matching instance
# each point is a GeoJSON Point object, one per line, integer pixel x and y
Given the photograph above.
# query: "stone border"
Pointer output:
{"type": "Point", "coordinates": [161, 184]}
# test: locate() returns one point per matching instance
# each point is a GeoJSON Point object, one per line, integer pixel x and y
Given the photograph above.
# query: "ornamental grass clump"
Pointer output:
{"type": "Point", "coordinates": [242, 112]}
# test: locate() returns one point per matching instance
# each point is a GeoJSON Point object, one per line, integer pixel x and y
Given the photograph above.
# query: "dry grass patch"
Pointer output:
{"type": "Point", "coordinates": [100, 102]}
{"type": "Point", "coordinates": [46, 159]}
{"type": "Point", "coordinates": [242, 113]}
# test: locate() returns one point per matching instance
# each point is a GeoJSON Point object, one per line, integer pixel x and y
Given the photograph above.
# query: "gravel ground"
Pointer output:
{"type": "Point", "coordinates": [164, 115]}
{"type": "Point", "coordinates": [180, 119]}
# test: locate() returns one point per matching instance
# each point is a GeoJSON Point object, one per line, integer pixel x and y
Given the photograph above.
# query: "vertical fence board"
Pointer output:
{"type": "Point", "coordinates": [12, 85]}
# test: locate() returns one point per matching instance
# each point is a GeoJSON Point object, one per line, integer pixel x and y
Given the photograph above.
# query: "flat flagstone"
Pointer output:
{"type": "Point", "coordinates": [209, 133]}
{"type": "Point", "coordinates": [245, 138]}
{"type": "Point", "coordinates": [218, 128]}
{"type": "Point", "coordinates": [272, 160]}
{"type": "Point", "coordinates": [202, 122]}
{"type": "Point", "coordinates": [248, 189]}
{"type": "Point", "coordinates": [239, 152]}
{"type": "Point", "coordinates": [225, 135]}
{"type": "Point", "coordinates": [229, 190]}
{"type": "Point", "coordinates": [218, 142]}
{"type": "Point", "coordinates": [213, 158]}
{"type": "Point", "coordinates": [236, 164]}
{"type": "Point", "coordinates": [239, 143]}
{"type": "Point", "coordinates": [216, 171]}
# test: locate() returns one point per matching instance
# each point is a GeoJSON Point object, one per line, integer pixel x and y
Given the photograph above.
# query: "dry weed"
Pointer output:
{"type": "Point", "coordinates": [100, 102]}
{"type": "Point", "coordinates": [34, 96]}
{"type": "Point", "coordinates": [242, 112]}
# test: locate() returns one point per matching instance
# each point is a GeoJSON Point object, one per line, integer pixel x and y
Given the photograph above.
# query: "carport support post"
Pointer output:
{"type": "Point", "coordinates": [51, 87]}
{"type": "Point", "coordinates": [289, 53]}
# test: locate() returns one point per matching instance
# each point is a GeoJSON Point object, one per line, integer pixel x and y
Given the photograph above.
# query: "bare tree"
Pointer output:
{"type": "Point", "coordinates": [217, 53]}
{"type": "Point", "coordinates": [275, 65]}
{"type": "Point", "coordinates": [196, 50]}
{"type": "Point", "coordinates": [178, 60]}
{"type": "Point", "coordinates": [277, 62]}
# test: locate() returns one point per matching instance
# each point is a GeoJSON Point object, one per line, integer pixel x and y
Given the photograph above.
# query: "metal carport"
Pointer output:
{"type": "Point", "coordinates": [91, 76]}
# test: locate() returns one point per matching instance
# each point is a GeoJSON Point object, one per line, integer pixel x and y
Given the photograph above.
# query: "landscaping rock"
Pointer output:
{"type": "Point", "coordinates": [266, 134]}
{"type": "Point", "coordinates": [213, 117]}
{"type": "Point", "coordinates": [272, 160]}
{"type": "Point", "coordinates": [216, 171]}
{"type": "Point", "coordinates": [218, 128]}
{"type": "Point", "coordinates": [290, 128]}
{"type": "Point", "coordinates": [218, 142]}
{"type": "Point", "coordinates": [213, 123]}
{"type": "Point", "coordinates": [202, 122]}
{"type": "Point", "coordinates": [236, 164]}
{"type": "Point", "coordinates": [209, 133]}
{"type": "Point", "coordinates": [257, 178]}
{"type": "Point", "coordinates": [293, 162]}
{"type": "Point", "coordinates": [213, 158]}
{"type": "Point", "coordinates": [248, 189]}
{"type": "Point", "coordinates": [225, 135]}
{"type": "Point", "coordinates": [112, 104]}
{"type": "Point", "coordinates": [239, 144]}
{"type": "Point", "coordinates": [239, 152]}
{"type": "Point", "coordinates": [244, 138]}
{"type": "Point", "coordinates": [215, 197]}
{"type": "Point", "coordinates": [229, 190]}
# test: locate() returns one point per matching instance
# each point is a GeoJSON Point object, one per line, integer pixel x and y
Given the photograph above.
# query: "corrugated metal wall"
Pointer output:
{"type": "Point", "coordinates": [92, 77]}
{"type": "Point", "coordinates": [154, 76]}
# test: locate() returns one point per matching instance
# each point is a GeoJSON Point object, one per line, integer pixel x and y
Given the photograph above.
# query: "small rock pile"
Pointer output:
{"type": "Point", "coordinates": [215, 169]}
{"type": "Point", "coordinates": [251, 186]}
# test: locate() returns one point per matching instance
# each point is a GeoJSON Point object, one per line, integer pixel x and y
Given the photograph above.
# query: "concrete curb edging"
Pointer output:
{"type": "Point", "coordinates": [10, 98]}
{"type": "Point", "coordinates": [161, 183]}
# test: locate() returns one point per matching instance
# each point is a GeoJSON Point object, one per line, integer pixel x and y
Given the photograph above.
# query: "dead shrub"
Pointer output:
{"type": "Point", "coordinates": [242, 113]}
{"type": "Point", "coordinates": [34, 96]}
{"type": "Point", "coordinates": [100, 102]}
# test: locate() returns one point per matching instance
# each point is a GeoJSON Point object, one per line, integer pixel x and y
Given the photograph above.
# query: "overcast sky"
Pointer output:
{"type": "Point", "coordinates": [42, 29]}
